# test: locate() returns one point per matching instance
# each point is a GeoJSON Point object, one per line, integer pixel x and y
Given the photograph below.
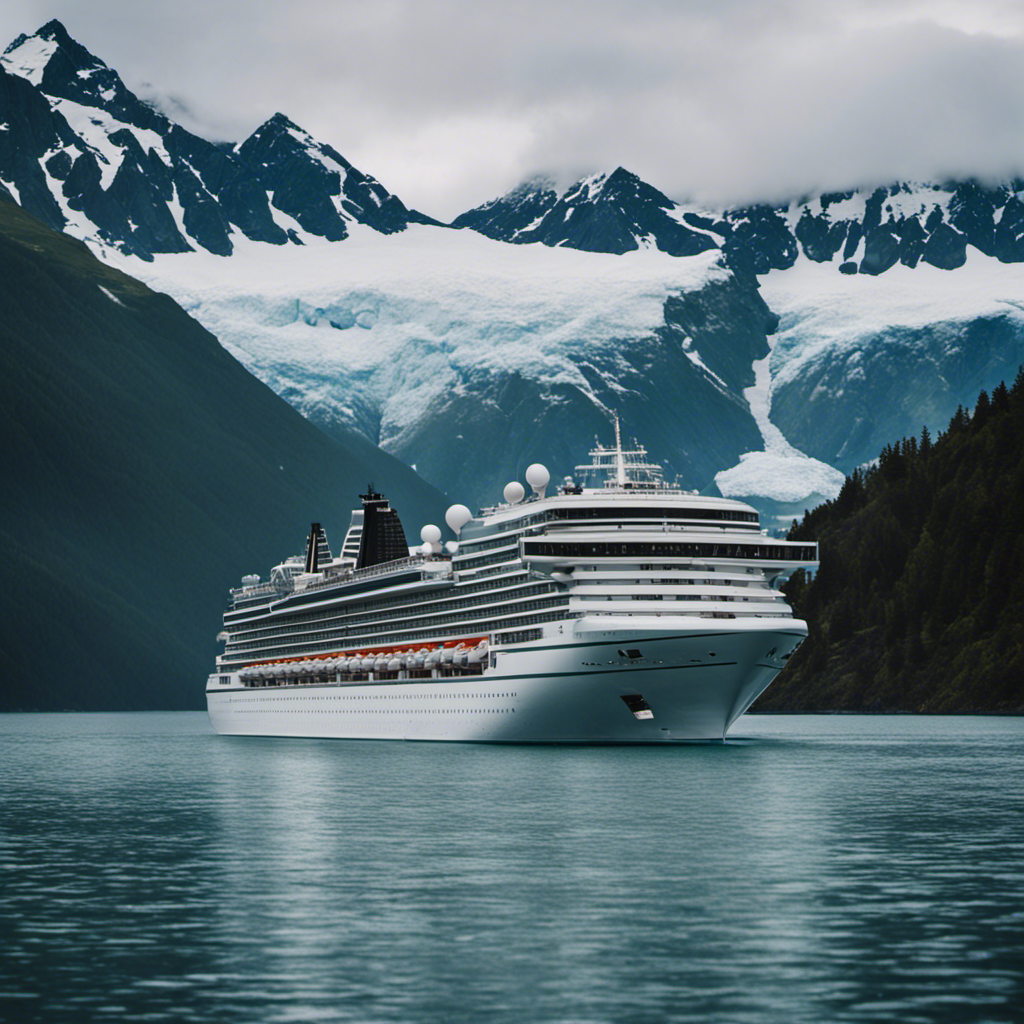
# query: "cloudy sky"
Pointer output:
{"type": "Point", "coordinates": [450, 102]}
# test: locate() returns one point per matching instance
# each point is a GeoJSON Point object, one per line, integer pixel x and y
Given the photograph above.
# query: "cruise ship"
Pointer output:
{"type": "Point", "coordinates": [619, 609]}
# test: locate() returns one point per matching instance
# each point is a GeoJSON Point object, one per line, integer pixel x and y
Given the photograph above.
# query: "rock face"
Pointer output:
{"type": "Point", "coordinates": [82, 151]}
{"type": "Point", "coordinates": [688, 409]}
{"type": "Point", "coordinates": [867, 232]}
{"type": "Point", "coordinates": [614, 213]}
{"type": "Point", "coordinates": [845, 405]}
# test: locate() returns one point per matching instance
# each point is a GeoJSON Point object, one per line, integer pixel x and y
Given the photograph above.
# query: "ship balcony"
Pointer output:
{"type": "Point", "coordinates": [704, 606]}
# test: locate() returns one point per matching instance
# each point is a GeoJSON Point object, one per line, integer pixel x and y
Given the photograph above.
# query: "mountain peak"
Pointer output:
{"type": "Point", "coordinates": [55, 31]}
{"type": "Point", "coordinates": [30, 55]}
{"type": "Point", "coordinates": [282, 121]}
{"type": "Point", "coordinates": [603, 212]}
{"type": "Point", "coordinates": [64, 69]}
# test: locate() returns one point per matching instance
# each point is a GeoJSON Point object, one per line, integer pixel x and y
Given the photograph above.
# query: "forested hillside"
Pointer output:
{"type": "Point", "coordinates": [918, 604]}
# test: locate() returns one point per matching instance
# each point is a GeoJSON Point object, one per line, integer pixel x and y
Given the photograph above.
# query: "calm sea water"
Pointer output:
{"type": "Point", "coordinates": [815, 868]}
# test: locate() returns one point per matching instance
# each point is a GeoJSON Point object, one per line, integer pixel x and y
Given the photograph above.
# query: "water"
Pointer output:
{"type": "Point", "coordinates": [817, 868]}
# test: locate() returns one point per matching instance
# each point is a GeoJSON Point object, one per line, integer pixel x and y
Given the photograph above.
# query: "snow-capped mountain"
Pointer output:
{"type": "Point", "coordinates": [868, 231]}
{"type": "Point", "coordinates": [470, 357]}
{"type": "Point", "coordinates": [614, 212]}
{"type": "Point", "coordinates": [95, 160]}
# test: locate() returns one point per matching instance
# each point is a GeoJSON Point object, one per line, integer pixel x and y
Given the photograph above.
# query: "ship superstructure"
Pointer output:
{"type": "Point", "coordinates": [618, 609]}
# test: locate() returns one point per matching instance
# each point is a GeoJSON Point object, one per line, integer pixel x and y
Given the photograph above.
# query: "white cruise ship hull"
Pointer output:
{"type": "Point", "coordinates": [693, 683]}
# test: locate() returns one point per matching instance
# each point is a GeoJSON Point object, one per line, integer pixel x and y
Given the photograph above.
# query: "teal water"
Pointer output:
{"type": "Point", "coordinates": [815, 868]}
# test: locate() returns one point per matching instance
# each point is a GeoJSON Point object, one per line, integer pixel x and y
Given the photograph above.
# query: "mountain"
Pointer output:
{"type": "Point", "coordinates": [763, 351]}
{"type": "Point", "coordinates": [864, 231]}
{"type": "Point", "coordinates": [895, 305]}
{"type": "Point", "coordinates": [918, 604]}
{"type": "Point", "coordinates": [143, 471]}
{"type": "Point", "coordinates": [95, 160]}
{"type": "Point", "coordinates": [614, 213]}
{"type": "Point", "coordinates": [438, 346]}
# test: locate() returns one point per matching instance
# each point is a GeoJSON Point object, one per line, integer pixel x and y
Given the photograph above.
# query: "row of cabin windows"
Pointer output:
{"type": "Point", "coordinates": [411, 636]}
{"type": "Point", "coordinates": [669, 549]}
{"type": "Point", "coordinates": [254, 644]}
{"type": "Point", "coordinates": [361, 613]}
{"type": "Point", "coordinates": [520, 636]}
{"type": "Point", "coordinates": [594, 512]}
{"type": "Point", "coordinates": [411, 599]}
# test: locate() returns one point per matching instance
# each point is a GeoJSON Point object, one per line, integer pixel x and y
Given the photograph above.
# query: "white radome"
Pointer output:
{"type": "Point", "coordinates": [514, 492]}
{"type": "Point", "coordinates": [538, 477]}
{"type": "Point", "coordinates": [456, 517]}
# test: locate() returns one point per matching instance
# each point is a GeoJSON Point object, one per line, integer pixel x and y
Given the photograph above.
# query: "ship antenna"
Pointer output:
{"type": "Point", "coordinates": [620, 468]}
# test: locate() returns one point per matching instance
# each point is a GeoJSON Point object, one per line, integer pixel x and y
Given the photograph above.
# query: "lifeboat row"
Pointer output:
{"type": "Point", "coordinates": [443, 660]}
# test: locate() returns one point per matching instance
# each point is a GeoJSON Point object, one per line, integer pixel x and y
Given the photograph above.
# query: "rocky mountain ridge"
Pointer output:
{"type": "Point", "coordinates": [85, 154]}
{"type": "Point", "coordinates": [865, 231]}
{"type": "Point", "coordinates": [94, 156]}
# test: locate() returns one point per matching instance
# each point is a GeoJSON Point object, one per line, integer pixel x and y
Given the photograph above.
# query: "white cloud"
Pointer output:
{"type": "Point", "coordinates": [450, 102]}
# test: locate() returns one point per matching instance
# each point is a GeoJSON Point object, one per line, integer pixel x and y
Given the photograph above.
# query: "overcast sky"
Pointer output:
{"type": "Point", "coordinates": [450, 103]}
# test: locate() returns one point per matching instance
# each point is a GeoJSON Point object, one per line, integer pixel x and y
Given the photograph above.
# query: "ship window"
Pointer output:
{"type": "Point", "coordinates": [631, 653]}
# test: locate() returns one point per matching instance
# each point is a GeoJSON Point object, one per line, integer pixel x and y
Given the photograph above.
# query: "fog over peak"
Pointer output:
{"type": "Point", "coordinates": [452, 103]}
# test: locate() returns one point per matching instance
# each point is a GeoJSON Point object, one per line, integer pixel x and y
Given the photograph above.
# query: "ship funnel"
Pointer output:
{"type": "Point", "coordinates": [538, 477]}
{"type": "Point", "coordinates": [456, 517]}
{"type": "Point", "coordinates": [318, 553]}
{"type": "Point", "coordinates": [382, 538]}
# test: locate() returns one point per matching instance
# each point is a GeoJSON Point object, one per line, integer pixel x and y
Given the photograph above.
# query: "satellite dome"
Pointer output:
{"type": "Point", "coordinates": [538, 477]}
{"type": "Point", "coordinates": [430, 534]}
{"type": "Point", "coordinates": [514, 492]}
{"type": "Point", "coordinates": [452, 547]}
{"type": "Point", "coordinates": [456, 517]}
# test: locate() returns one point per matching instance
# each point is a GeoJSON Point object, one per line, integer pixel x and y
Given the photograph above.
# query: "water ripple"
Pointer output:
{"type": "Point", "coordinates": [817, 869]}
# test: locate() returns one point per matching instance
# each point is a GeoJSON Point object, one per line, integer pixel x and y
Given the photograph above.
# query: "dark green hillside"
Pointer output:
{"type": "Point", "coordinates": [919, 601]}
{"type": "Point", "coordinates": [143, 471]}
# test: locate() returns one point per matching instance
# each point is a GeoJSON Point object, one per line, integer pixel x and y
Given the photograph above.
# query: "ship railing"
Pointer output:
{"type": "Point", "coordinates": [258, 590]}
{"type": "Point", "coordinates": [383, 569]}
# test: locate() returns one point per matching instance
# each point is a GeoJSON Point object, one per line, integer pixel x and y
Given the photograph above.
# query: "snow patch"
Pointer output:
{"type": "Point", "coordinates": [781, 472]}
{"type": "Point", "coordinates": [780, 477]}
{"type": "Point", "coordinates": [29, 60]}
{"type": "Point", "coordinates": [822, 312]}
{"type": "Point", "coordinates": [13, 189]}
{"type": "Point", "coordinates": [95, 126]}
{"type": "Point", "coordinates": [694, 356]}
